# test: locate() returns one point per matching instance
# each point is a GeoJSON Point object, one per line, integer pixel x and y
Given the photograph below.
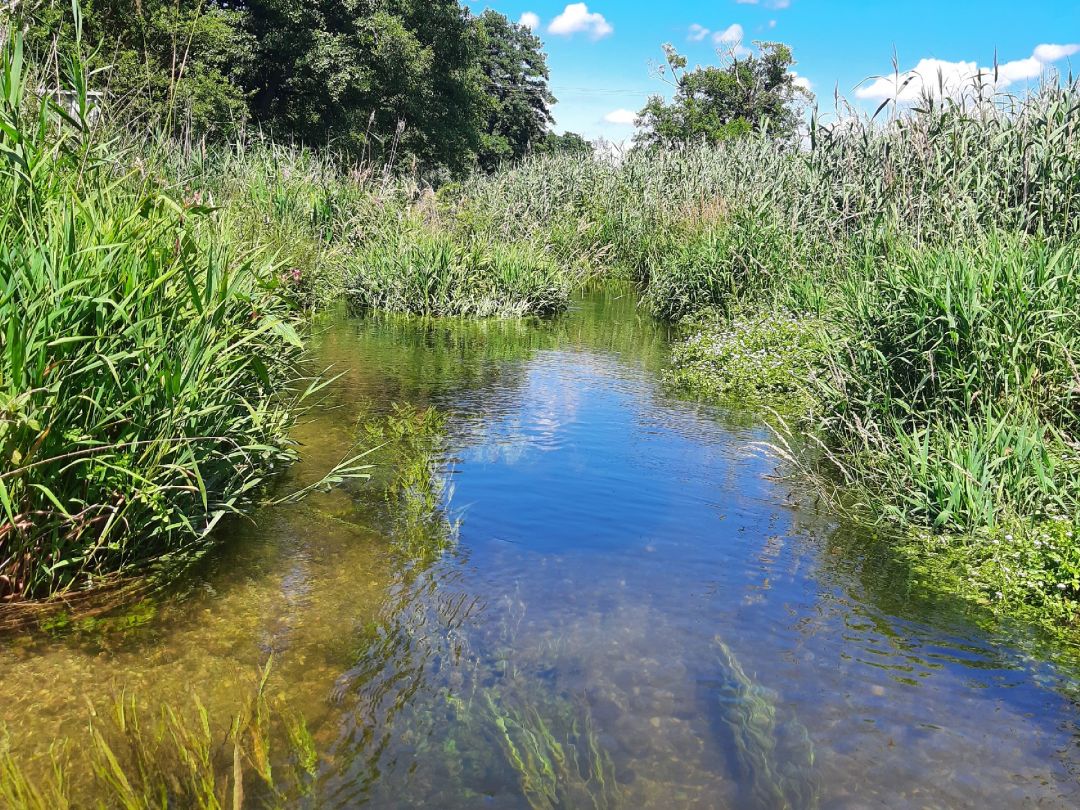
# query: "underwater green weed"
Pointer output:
{"type": "Point", "coordinates": [554, 771]}
{"type": "Point", "coordinates": [773, 771]}
{"type": "Point", "coordinates": [180, 757]}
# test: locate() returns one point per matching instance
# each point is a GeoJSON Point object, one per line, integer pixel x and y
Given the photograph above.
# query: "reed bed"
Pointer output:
{"type": "Point", "coordinates": [148, 356]}
{"type": "Point", "coordinates": [423, 270]}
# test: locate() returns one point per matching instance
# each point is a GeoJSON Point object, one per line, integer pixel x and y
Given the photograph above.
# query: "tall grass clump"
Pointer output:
{"type": "Point", "coordinates": [310, 210]}
{"type": "Point", "coordinates": [956, 385]}
{"type": "Point", "coordinates": [699, 263]}
{"type": "Point", "coordinates": [144, 356]}
{"type": "Point", "coordinates": [425, 270]}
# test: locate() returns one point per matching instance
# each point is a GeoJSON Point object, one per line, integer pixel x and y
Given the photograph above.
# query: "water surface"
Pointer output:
{"type": "Point", "coordinates": [634, 610]}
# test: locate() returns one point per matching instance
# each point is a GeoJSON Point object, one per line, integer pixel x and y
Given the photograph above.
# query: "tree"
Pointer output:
{"type": "Point", "coordinates": [515, 107]}
{"type": "Point", "coordinates": [174, 63]}
{"type": "Point", "coordinates": [374, 77]}
{"type": "Point", "coordinates": [403, 80]}
{"type": "Point", "coordinates": [566, 143]}
{"type": "Point", "coordinates": [750, 94]}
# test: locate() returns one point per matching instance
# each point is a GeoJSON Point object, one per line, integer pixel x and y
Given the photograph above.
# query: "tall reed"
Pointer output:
{"type": "Point", "coordinates": [145, 357]}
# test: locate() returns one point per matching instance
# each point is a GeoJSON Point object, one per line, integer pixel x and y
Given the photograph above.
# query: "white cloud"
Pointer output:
{"type": "Point", "coordinates": [1052, 53]}
{"type": "Point", "coordinates": [768, 3]}
{"type": "Point", "coordinates": [697, 33]}
{"type": "Point", "coordinates": [801, 81]}
{"type": "Point", "coordinates": [938, 76]}
{"type": "Point", "coordinates": [622, 117]}
{"type": "Point", "coordinates": [576, 18]}
{"type": "Point", "coordinates": [730, 39]}
{"type": "Point", "coordinates": [733, 33]}
{"type": "Point", "coordinates": [1017, 71]}
{"type": "Point", "coordinates": [929, 73]}
{"type": "Point", "coordinates": [772, 23]}
{"type": "Point", "coordinates": [530, 20]}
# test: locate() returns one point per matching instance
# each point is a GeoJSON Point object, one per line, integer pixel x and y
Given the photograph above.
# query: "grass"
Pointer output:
{"type": "Point", "coordinates": [423, 270]}
{"type": "Point", "coordinates": [144, 361]}
{"type": "Point", "coordinates": [954, 381]}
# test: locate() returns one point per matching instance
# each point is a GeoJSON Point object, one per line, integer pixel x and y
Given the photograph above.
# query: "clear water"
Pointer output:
{"type": "Point", "coordinates": [636, 611]}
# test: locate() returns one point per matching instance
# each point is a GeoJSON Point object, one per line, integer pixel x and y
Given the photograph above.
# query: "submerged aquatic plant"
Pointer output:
{"type": "Point", "coordinates": [774, 765]}
{"type": "Point", "coordinates": [568, 770]}
{"type": "Point", "coordinates": [178, 758]}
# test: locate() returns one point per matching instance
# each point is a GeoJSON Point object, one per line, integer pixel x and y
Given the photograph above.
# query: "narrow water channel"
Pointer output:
{"type": "Point", "coordinates": [633, 611]}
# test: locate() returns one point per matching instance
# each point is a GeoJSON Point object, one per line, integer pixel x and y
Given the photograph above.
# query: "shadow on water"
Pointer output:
{"type": "Point", "coordinates": [627, 609]}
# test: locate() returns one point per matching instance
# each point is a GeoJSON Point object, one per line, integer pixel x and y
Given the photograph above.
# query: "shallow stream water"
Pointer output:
{"type": "Point", "coordinates": [635, 610]}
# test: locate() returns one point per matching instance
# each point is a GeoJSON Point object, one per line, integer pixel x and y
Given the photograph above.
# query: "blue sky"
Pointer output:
{"type": "Point", "coordinates": [601, 53]}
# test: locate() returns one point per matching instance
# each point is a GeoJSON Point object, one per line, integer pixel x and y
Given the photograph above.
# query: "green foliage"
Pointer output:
{"type": "Point", "coordinates": [943, 330]}
{"type": "Point", "coordinates": [711, 260]}
{"type": "Point", "coordinates": [428, 271]}
{"type": "Point", "coordinates": [1028, 570]}
{"type": "Point", "coordinates": [755, 93]}
{"type": "Point", "coordinates": [165, 64]}
{"type": "Point", "coordinates": [375, 79]}
{"type": "Point", "coordinates": [955, 387]}
{"type": "Point", "coordinates": [756, 356]}
{"type": "Point", "coordinates": [378, 80]}
{"type": "Point", "coordinates": [141, 363]}
{"type": "Point", "coordinates": [516, 99]}
{"type": "Point", "coordinates": [310, 210]}
{"type": "Point", "coordinates": [568, 142]}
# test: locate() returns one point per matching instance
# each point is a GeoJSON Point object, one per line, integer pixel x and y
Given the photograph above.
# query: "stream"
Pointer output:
{"type": "Point", "coordinates": [635, 608]}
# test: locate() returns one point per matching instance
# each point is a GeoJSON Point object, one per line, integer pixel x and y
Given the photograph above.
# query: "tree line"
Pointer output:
{"type": "Point", "coordinates": [423, 80]}
{"type": "Point", "coordinates": [419, 81]}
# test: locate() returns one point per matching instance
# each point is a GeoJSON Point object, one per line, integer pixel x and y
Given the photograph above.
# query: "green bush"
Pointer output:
{"type": "Point", "coordinates": [758, 356]}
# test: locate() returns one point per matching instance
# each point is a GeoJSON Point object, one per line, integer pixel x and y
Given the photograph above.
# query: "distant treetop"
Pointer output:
{"type": "Point", "coordinates": [750, 93]}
